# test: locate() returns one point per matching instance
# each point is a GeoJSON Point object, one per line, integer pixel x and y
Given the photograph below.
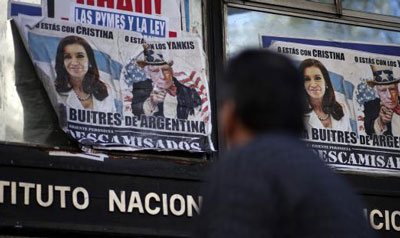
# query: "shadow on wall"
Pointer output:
{"type": "Point", "coordinates": [40, 120]}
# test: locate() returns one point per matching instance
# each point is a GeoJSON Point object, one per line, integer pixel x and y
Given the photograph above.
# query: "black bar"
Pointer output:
{"type": "Point", "coordinates": [216, 60]}
{"type": "Point", "coordinates": [50, 8]}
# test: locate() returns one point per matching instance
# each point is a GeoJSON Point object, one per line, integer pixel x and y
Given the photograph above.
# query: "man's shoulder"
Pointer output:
{"type": "Point", "coordinates": [179, 84]}
{"type": "Point", "coordinates": [144, 83]}
{"type": "Point", "coordinates": [274, 152]}
{"type": "Point", "coordinates": [372, 103]}
{"type": "Point", "coordinates": [282, 158]}
{"type": "Point", "coordinates": [187, 94]}
{"type": "Point", "coordinates": [275, 143]}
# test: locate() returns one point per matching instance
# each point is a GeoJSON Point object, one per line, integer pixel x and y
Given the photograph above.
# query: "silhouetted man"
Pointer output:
{"type": "Point", "coordinates": [269, 184]}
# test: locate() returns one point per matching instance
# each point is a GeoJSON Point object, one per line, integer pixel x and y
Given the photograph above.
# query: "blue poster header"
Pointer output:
{"type": "Point", "coordinates": [147, 26]}
{"type": "Point", "coordinates": [371, 48]}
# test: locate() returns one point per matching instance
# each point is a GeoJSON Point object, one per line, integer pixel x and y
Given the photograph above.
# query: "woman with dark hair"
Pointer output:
{"type": "Point", "coordinates": [323, 110]}
{"type": "Point", "coordinates": [78, 76]}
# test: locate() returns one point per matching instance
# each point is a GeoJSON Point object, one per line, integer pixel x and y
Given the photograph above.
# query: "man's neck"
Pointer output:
{"type": "Point", "coordinates": [241, 136]}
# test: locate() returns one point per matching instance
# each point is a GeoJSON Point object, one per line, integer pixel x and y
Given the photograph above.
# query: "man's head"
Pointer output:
{"type": "Point", "coordinates": [261, 92]}
{"type": "Point", "coordinates": [156, 67]}
{"type": "Point", "coordinates": [388, 94]}
{"type": "Point", "coordinates": [386, 85]}
{"type": "Point", "coordinates": [161, 75]}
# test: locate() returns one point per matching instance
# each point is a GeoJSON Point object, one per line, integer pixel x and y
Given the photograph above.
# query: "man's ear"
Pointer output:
{"type": "Point", "coordinates": [228, 121]}
{"type": "Point", "coordinates": [376, 91]}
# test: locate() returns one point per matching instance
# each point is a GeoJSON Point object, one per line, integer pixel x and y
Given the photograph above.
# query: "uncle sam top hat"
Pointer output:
{"type": "Point", "coordinates": [152, 57]}
{"type": "Point", "coordinates": [383, 75]}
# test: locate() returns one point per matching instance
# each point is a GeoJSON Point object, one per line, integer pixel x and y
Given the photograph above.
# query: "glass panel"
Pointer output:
{"type": "Point", "coordinates": [244, 27]}
{"type": "Point", "coordinates": [384, 7]}
{"type": "Point", "coordinates": [26, 115]}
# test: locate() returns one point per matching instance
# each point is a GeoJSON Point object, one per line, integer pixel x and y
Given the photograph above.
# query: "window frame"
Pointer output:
{"type": "Point", "coordinates": [330, 12]}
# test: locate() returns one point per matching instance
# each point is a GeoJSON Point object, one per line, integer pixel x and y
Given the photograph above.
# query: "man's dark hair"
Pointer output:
{"type": "Point", "coordinates": [266, 90]}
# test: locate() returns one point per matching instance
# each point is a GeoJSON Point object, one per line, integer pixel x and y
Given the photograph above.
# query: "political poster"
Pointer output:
{"type": "Point", "coordinates": [118, 90]}
{"type": "Point", "coordinates": [352, 97]}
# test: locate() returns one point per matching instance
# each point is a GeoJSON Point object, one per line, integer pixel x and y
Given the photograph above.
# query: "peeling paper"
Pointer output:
{"type": "Point", "coordinates": [97, 157]}
{"type": "Point", "coordinates": [130, 93]}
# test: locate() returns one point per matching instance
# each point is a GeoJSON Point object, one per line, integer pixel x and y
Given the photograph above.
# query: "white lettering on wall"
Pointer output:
{"type": "Point", "coordinates": [154, 204]}
{"type": "Point", "coordinates": [44, 194]}
{"type": "Point", "coordinates": [49, 196]}
{"type": "Point", "coordinates": [27, 187]}
{"type": "Point", "coordinates": [85, 195]}
{"type": "Point", "coordinates": [113, 199]}
{"type": "Point", "coordinates": [176, 198]}
{"type": "Point", "coordinates": [135, 202]}
{"type": "Point", "coordinates": [386, 219]}
{"type": "Point", "coordinates": [2, 185]}
{"type": "Point", "coordinates": [149, 210]}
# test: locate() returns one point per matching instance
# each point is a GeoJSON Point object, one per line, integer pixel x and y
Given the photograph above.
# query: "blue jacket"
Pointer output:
{"type": "Point", "coordinates": [275, 187]}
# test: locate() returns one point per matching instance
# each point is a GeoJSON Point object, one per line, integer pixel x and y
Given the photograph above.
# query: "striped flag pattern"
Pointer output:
{"type": "Point", "coordinates": [193, 80]}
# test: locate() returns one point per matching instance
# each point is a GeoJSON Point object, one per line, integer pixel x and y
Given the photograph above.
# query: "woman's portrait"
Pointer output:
{"type": "Point", "coordinates": [323, 111]}
{"type": "Point", "coordinates": [78, 80]}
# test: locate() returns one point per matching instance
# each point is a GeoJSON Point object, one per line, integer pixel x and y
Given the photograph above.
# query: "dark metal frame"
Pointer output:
{"type": "Point", "coordinates": [179, 166]}
{"type": "Point", "coordinates": [184, 167]}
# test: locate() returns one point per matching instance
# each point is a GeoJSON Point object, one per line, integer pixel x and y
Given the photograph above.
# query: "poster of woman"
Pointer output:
{"type": "Point", "coordinates": [323, 110]}
{"type": "Point", "coordinates": [78, 79]}
{"type": "Point", "coordinates": [352, 101]}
